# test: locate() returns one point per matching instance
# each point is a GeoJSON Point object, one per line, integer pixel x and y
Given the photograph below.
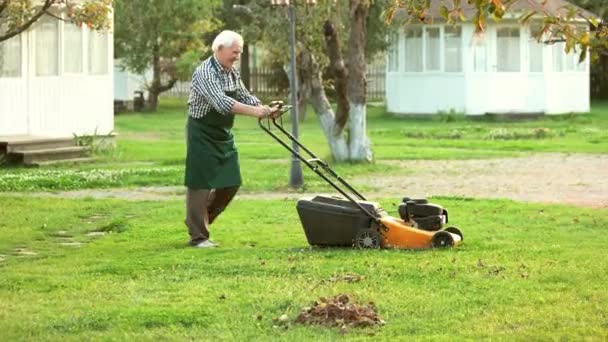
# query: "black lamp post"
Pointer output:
{"type": "Point", "coordinates": [295, 178]}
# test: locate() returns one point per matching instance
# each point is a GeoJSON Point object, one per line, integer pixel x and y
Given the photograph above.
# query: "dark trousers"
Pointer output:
{"type": "Point", "coordinates": [203, 207]}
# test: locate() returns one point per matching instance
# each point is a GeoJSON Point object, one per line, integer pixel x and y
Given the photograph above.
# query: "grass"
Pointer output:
{"type": "Point", "coordinates": [151, 148]}
{"type": "Point", "coordinates": [92, 269]}
{"type": "Point", "coordinates": [525, 272]}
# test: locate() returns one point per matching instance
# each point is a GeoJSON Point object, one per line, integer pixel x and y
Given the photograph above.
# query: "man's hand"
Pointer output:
{"type": "Point", "coordinates": [275, 111]}
{"type": "Point", "coordinates": [275, 107]}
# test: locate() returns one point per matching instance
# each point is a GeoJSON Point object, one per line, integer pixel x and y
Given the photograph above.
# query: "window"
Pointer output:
{"type": "Point", "coordinates": [98, 53]}
{"type": "Point", "coordinates": [563, 61]}
{"type": "Point", "coordinates": [558, 57]}
{"type": "Point", "coordinates": [480, 53]}
{"type": "Point", "coordinates": [413, 49]}
{"type": "Point", "coordinates": [535, 49]}
{"type": "Point", "coordinates": [507, 50]}
{"type": "Point", "coordinates": [433, 49]}
{"type": "Point", "coordinates": [47, 47]}
{"type": "Point", "coordinates": [582, 66]}
{"type": "Point", "coordinates": [393, 53]}
{"type": "Point", "coordinates": [72, 62]}
{"type": "Point", "coordinates": [453, 49]}
{"type": "Point", "coordinates": [10, 57]}
{"type": "Point", "coordinates": [571, 60]}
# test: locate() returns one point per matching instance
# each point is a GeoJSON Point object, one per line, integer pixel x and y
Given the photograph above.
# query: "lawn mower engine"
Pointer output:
{"type": "Point", "coordinates": [423, 215]}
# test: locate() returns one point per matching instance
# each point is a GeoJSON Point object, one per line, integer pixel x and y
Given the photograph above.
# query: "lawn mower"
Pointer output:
{"type": "Point", "coordinates": [352, 220]}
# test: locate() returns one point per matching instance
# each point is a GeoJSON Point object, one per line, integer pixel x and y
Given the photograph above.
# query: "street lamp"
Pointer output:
{"type": "Point", "coordinates": [295, 177]}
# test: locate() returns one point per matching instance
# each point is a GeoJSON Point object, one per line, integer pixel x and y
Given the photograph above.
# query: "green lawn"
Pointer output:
{"type": "Point", "coordinates": [524, 272]}
{"type": "Point", "coordinates": [151, 147]}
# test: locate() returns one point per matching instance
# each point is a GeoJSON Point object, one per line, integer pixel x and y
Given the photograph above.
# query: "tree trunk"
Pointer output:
{"type": "Point", "coordinates": [153, 90]}
{"type": "Point", "coordinates": [359, 144]}
{"type": "Point", "coordinates": [305, 71]}
{"type": "Point", "coordinates": [156, 87]}
{"type": "Point", "coordinates": [245, 70]}
{"type": "Point", "coordinates": [338, 71]}
{"type": "Point", "coordinates": [333, 133]}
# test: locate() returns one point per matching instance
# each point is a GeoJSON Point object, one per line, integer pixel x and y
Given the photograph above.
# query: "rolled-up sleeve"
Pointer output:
{"type": "Point", "coordinates": [244, 96]}
{"type": "Point", "coordinates": [208, 85]}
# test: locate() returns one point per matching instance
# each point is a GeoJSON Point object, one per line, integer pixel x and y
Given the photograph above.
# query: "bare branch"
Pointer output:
{"type": "Point", "coordinates": [554, 41]}
{"type": "Point", "coordinates": [57, 17]}
{"type": "Point", "coordinates": [169, 85]}
{"type": "Point", "coordinates": [10, 34]}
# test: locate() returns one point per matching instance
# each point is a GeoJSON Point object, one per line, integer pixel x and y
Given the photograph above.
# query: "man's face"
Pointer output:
{"type": "Point", "coordinates": [228, 55]}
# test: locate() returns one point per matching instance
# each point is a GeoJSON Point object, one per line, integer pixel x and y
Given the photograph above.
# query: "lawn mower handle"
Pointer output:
{"type": "Point", "coordinates": [282, 109]}
{"type": "Point", "coordinates": [314, 162]}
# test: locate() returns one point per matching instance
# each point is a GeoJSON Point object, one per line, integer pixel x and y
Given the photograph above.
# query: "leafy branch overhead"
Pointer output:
{"type": "Point", "coordinates": [556, 20]}
{"type": "Point", "coordinates": [17, 16]}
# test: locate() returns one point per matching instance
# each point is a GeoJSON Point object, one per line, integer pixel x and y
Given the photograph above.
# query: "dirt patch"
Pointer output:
{"type": "Point", "coordinates": [340, 311]}
{"type": "Point", "coordinates": [577, 179]}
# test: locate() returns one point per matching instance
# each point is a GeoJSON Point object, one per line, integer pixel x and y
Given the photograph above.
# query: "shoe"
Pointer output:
{"type": "Point", "coordinates": [206, 244]}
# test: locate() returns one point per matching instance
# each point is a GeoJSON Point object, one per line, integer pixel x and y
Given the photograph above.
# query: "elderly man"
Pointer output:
{"type": "Point", "coordinates": [212, 165]}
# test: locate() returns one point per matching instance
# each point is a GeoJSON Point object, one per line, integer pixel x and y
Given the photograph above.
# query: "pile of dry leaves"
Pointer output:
{"type": "Point", "coordinates": [340, 311]}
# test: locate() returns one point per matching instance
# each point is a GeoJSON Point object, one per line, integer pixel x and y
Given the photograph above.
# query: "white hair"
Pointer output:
{"type": "Point", "coordinates": [226, 38]}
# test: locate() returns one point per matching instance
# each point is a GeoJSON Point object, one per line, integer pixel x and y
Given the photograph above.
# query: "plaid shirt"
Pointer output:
{"type": "Point", "coordinates": [209, 82]}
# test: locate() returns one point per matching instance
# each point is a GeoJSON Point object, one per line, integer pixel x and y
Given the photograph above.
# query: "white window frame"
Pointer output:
{"type": "Point", "coordinates": [425, 69]}
{"type": "Point", "coordinates": [402, 67]}
{"type": "Point", "coordinates": [403, 58]}
{"type": "Point", "coordinates": [82, 50]}
{"type": "Point", "coordinates": [481, 40]}
{"type": "Point", "coordinates": [565, 58]}
{"type": "Point", "coordinates": [393, 52]}
{"type": "Point", "coordinates": [521, 64]}
{"type": "Point", "coordinates": [59, 50]}
{"type": "Point", "coordinates": [532, 40]}
{"type": "Point", "coordinates": [21, 67]}
{"type": "Point", "coordinates": [444, 51]}
{"type": "Point", "coordinates": [90, 34]}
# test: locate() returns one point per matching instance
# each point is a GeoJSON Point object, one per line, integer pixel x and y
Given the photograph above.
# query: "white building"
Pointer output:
{"type": "Point", "coordinates": [56, 81]}
{"type": "Point", "coordinates": [440, 68]}
{"type": "Point", "coordinates": [127, 85]}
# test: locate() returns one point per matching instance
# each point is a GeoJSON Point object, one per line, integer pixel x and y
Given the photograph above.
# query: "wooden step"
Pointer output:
{"type": "Point", "coordinates": [34, 143]}
{"type": "Point", "coordinates": [34, 157]}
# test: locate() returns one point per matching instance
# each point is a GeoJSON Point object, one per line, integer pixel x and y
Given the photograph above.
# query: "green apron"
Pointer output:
{"type": "Point", "coordinates": [212, 161]}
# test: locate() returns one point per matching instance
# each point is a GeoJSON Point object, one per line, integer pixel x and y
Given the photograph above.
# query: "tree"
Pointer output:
{"type": "Point", "coordinates": [236, 15]}
{"type": "Point", "coordinates": [324, 40]}
{"type": "Point", "coordinates": [599, 69]}
{"type": "Point", "coordinates": [165, 35]}
{"type": "Point", "coordinates": [17, 16]}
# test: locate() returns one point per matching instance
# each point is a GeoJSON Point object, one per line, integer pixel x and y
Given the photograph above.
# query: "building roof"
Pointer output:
{"type": "Point", "coordinates": [552, 7]}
